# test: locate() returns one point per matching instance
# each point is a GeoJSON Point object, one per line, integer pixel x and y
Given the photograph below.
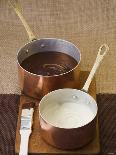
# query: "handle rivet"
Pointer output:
{"type": "Point", "coordinates": [42, 45]}
{"type": "Point", "coordinates": [27, 50]}
{"type": "Point", "coordinates": [75, 97]}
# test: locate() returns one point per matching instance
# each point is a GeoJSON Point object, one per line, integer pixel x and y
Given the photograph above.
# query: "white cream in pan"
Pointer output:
{"type": "Point", "coordinates": [72, 112]}
{"type": "Point", "coordinates": [68, 114]}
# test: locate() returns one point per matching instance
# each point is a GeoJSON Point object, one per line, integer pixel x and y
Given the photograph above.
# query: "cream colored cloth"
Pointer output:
{"type": "Point", "coordinates": [86, 23]}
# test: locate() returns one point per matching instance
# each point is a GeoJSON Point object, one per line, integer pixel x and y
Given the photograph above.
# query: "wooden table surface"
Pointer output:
{"type": "Point", "coordinates": [38, 145]}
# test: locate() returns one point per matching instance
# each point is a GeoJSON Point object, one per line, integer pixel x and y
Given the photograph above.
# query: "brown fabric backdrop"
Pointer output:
{"type": "Point", "coordinates": [86, 23]}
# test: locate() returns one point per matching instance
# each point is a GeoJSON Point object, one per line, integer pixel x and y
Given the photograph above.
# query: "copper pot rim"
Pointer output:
{"type": "Point", "coordinates": [46, 76]}
{"type": "Point", "coordinates": [54, 126]}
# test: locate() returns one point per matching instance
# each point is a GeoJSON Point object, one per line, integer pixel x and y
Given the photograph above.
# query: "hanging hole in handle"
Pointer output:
{"type": "Point", "coordinates": [103, 49]}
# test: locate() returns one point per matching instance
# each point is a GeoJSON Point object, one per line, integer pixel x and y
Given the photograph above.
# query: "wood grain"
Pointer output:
{"type": "Point", "coordinates": [37, 144]}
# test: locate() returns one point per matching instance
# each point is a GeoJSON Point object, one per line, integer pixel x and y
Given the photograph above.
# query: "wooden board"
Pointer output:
{"type": "Point", "coordinates": [37, 145]}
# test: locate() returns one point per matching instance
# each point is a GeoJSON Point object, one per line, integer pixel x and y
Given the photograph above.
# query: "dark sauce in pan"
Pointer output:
{"type": "Point", "coordinates": [49, 63]}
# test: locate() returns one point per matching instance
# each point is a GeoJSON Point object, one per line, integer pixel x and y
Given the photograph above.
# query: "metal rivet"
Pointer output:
{"type": "Point", "coordinates": [75, 97]}
{"type": "Point", "coordinates": [42, 45]}
{"type": "Point", "coordinates": [27, 50]}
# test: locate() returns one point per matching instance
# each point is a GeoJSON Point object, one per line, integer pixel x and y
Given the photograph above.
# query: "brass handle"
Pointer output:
{"type": "Point", "coordinates": [16, 6]}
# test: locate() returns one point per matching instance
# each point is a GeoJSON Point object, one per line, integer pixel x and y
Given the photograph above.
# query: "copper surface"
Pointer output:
{"type": "Point", "coordinates": [37, 85]}
{"type": "Point", "coordinates": [68, 138]}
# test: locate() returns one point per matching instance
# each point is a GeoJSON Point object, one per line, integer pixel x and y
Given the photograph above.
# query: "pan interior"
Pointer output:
{"type": "Point", "coordinates": [49, 63]}
{"type": "Point", "coordinates": [68, 108]}
{"type": "Point", "coordinates": [55, 57]}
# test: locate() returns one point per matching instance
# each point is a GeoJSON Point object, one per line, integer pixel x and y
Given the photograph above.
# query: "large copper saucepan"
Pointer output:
{"type": "Point", "coordinates": [68, 116]}
{"type": "Point", "coordinates": [35, 85]}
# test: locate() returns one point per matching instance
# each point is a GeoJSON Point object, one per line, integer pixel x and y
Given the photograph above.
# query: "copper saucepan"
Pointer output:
{"type": "Point", "coordinates": [68, 116]}
{"type": "Point", "coordinates": [35, 85]}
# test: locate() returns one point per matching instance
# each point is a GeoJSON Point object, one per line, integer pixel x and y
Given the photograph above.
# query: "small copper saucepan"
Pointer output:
{"type": "Point", "coordinates": [68, 116]}
{"type": "Point", "coordinates": [35, 85]}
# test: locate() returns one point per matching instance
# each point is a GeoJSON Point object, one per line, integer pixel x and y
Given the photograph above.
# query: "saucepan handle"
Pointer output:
{"type": "Point", "coordinates": [101, 53]}
{"type": "Point", "coordinates": [17, 8]}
